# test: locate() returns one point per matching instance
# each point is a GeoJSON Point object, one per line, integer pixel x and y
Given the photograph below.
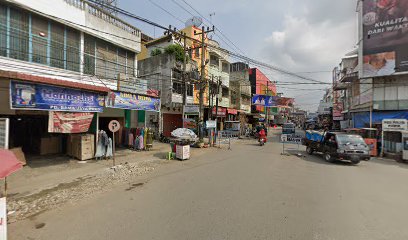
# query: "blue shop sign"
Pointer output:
{"type": "Point", "coordinates": [44, 97]}
{"type": "Point", "coordinates": [132, 101]}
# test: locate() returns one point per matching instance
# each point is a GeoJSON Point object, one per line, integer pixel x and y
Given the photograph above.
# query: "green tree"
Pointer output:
{"type": "Point", "coordinates": [155, 52]}
{"type": "Point", "coordinates": [177, 51]}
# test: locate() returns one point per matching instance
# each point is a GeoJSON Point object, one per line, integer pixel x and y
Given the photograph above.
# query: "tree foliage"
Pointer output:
{"type": "Point", "coordinates": [177, 51]}
{"type": "Point", "coordinates": [156, 52]}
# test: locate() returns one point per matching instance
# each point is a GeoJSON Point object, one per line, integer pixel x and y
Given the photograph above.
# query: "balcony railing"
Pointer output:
{"type": "Point", "coordinates": [99, 13]}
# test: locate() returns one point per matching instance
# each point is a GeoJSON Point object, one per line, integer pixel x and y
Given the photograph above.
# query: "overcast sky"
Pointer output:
{"type": "Point", "coordinates": [296, 35]}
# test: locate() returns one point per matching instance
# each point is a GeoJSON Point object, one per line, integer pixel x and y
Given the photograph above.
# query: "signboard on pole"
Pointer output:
{"type": "Point", "coordinates": [291, 139]}
{"type": "Point", "coordinates": [395, 125]}
{"type": "Point", "coordinates": [3, 219]}
{"type": "Point", "coordinates": [211, 124]}
{"type": "Point", "coordinates": [113, 126]}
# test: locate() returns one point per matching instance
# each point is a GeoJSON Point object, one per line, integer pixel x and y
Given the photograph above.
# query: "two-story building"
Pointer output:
{"type": "Point", "coordinates": [59, 61]}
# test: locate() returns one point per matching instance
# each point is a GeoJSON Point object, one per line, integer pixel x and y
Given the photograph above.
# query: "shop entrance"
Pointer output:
{"type": "Point", "coordinates": [171, 122]}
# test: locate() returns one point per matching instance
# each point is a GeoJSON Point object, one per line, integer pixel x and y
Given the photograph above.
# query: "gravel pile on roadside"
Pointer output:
{"type": "Point", "coordinates": [34, 204]}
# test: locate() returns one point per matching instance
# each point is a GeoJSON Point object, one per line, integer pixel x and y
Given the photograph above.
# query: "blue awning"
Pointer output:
{"type": "Point", "coordinates": [362, 119]}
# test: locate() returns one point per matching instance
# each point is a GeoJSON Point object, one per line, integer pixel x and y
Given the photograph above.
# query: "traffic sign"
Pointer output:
{"type": "Point", "coordinates": [114, 126]}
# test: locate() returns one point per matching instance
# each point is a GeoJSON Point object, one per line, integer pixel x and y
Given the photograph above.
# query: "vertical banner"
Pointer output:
{"type": "Point", "coordinates": [67, 122]}
{"type": "Point", "coordinates": [385, 37]}
{"type": "Point", "coordinates": [3, 219]}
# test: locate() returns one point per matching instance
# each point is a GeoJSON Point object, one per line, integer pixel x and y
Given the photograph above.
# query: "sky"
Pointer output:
{"type": "Point", "coordinates": [307, 37]}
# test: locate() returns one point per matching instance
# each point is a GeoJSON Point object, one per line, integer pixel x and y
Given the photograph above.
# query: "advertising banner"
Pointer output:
{"type": "Point", "coordinates": [337, 111]}
{"type": "Point", "coordinates": [385, 35]}
{"type": "Point", "coordinates": [44, 97]}
{"type": "Point", "coordinates": [263, 100]}
{"type": "Point", "coordinates": [132, 101]}
{"type": "Point", "coordinates": [69, 122]}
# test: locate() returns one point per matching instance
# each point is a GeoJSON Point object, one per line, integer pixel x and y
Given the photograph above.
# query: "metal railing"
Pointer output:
{"type": "Point", "coordinates": [99, 13]}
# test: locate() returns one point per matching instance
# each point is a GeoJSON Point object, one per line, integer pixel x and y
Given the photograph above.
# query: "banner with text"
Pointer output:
{"type": "Point", "coordinates": [385, 28]}
{"type": "Point", "coordinates": [263, 100]}
{"type": "Point", "coordinates": [44, 97]}
{"type": "Point", "coordinates": [132, 101]}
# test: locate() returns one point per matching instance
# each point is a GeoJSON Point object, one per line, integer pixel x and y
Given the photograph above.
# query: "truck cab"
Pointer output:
{"type": "Point", "coordinates": [339, 146]}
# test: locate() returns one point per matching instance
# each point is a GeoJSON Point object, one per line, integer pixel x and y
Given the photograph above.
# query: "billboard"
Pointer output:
{"type": "Point", "coordinates": [337, 111]}
{"type": "Point", "coordinates": [385, 35]}
{"type": "Point", "coordinates": [263, 100]}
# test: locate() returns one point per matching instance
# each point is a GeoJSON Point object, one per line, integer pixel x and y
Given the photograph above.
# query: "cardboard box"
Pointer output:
{"type": "Point", "coordinates": [81, 146]}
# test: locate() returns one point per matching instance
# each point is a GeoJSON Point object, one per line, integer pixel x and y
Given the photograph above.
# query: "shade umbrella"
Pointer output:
{"type": "Point", "coordinates": [8, 164]}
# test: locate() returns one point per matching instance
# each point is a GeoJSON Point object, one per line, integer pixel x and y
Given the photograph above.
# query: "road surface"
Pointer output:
{"type": "Point", "coordinates": [250, 192]}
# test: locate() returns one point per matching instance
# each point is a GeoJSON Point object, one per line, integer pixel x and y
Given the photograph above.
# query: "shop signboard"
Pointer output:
{"type": "Point", "coordinates": [337, 111]}
{"type": "Point", "coordinates": [3, 219]}
{"type": "Point", "coordinates": [4, 132]}
{"type": "Point", "coordinates": [26, 96]}
{"type": "Point", "coordinates": [132, 101]}
{"type": "Point", "coordinates": [384, 37]}
{"type": "Point", "coordinates": [395, 125]}
{"type": "Point", "coordinates": [221, 112]}
{"type": "Point", "coordinates": [69, 122]}
{"type": "Point", "coordinates": [191, 110]}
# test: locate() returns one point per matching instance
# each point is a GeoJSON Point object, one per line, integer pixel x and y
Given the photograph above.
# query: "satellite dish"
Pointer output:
{"type": "Point", "coordinates": [194, 21]}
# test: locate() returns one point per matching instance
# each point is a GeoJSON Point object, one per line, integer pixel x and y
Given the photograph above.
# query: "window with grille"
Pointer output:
{"type": "Point", "coordinates": [3, 30]}
{"type": "Point", "coordinates": [89, 55]}
{"type": "Point", "coordinates": [39, 32]}
{"type": "Point", "coordinates": [225, 92]}
{"type": "Point", "coordinates": [130, 64]}
{"type": "Point", "coordinates": [177, 87]}
{"type": "Point", "coordinates": [57, 45]}
{"type": "Point", "coordinates": [72, 49]}
{"type": "Point", "coordinates": [190, 90]}
{"type": "Point", "coordinates": [225, 67]}
{"type": "Point", "coordinates": [18, 34]}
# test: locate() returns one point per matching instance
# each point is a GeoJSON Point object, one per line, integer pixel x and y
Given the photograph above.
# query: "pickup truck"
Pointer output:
{"type": "Point", "coordinates": [337, 146]}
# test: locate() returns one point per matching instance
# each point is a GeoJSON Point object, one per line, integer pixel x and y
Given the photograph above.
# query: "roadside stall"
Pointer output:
{"type": "Point", "coordinates": [183, 138]}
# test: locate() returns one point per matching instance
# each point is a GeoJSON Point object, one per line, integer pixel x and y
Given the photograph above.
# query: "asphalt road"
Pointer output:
{"type": "Point", "coordinates": [250, 192]}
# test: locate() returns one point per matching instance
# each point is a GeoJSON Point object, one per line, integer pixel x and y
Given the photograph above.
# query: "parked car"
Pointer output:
{"type": "Point", "coordinates": [288, 128]}
{"type": "Point", "coordinates": [337, 146]}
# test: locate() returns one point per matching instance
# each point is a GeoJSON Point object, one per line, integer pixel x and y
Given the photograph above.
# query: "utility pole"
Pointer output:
{"type": "Point", "coordinates": [202, 82]}
{"type": "Point", "coordinates": [184, 76]}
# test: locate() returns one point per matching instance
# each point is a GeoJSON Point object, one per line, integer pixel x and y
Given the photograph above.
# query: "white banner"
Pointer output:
{"type": "Point", "coordinates": [395, 125]}
{"type": "Point", "coordinates": [3, 219]}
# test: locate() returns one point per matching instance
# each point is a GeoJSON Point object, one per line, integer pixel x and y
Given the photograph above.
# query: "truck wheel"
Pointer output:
{"type": "Point", "coordinates": [309, 150]}
{"type": "Point", "coordinates": [355, 162]}
{"type": "Point", "coordinates": [328, 157]}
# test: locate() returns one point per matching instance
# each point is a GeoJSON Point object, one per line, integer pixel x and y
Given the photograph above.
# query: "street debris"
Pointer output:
{"type": "Point", "coordinates": [71, 192]}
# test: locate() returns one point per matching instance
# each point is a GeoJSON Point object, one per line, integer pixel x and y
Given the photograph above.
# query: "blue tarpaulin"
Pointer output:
{"type": "Point", "coordinates": [362, 119]}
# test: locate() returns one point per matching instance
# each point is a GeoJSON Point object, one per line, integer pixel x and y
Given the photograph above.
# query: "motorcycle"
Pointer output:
{"type": "Point", "coordinates": [262, 141]}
